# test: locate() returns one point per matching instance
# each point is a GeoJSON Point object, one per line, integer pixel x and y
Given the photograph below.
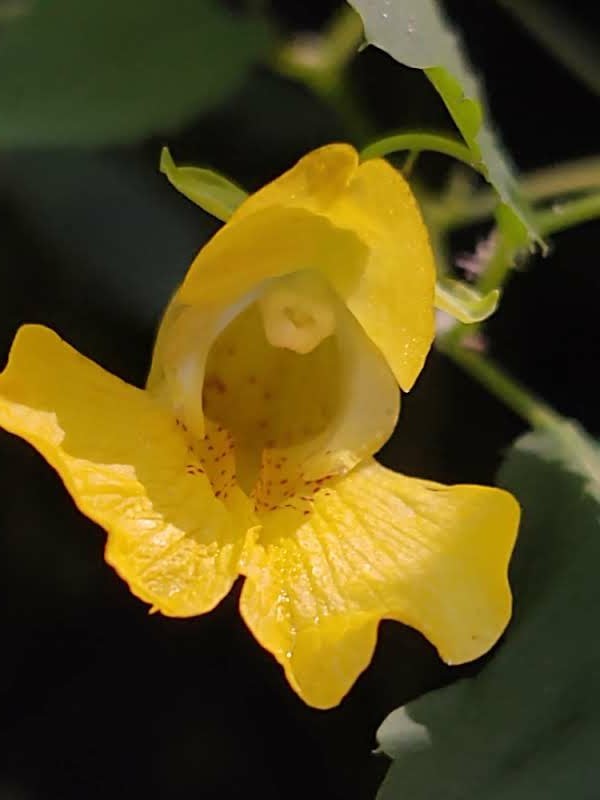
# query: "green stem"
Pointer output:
{"type": "Point", "coordinates": [417, 142]}
{"type": "Point", "coordinates": [499, 383]}
{"type": "Point", "coordinates": [343, 37]}
{"type": "Point", "coordinates": [566, 178]}
{"type": "Point", "coordinates": [496, 272]}
{"type": "Point", "coordinates": [567, 215]}
{"type": "Point", "coordinates": [483, 369]}
{"type": "Point", "coordinates": [550, 221]}
{"type": "Point", "coordinates": [409, 164]}
{"type": "Point", "coordinates": [541, 185]}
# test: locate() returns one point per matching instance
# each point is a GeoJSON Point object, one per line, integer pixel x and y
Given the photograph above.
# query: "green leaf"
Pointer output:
{"type": "Point", "coordinates": [512, 231]}
{"type": "Point", "coordinates": [527, 726]}
{"type": "Point", "coordinates": [464, 302]}
{"type": "Point", "coordinates": [94, 72]}
{"type": "Point", "coordinates": [415, 33]}
{"type": "Point", "coordinates": [209, 190]}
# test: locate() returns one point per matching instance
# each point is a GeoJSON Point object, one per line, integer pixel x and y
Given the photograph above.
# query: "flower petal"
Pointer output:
{"type": "Point", "coordinates": [272, 242]}
{"type": "Point", "coordinates": [127, 466]}
{"type": "Point", "coordinates": [227, 275]}
{"type": "Point", "coordinates": [358, 224]}
{"type": "Point", "coordinates": [393, 298]}
{"type": "Point", "coordinates": [319, 412]}
{"type": "Point", "coordinates": [379, 545]}
{"type": "Point", "coordinates": [315, 182]}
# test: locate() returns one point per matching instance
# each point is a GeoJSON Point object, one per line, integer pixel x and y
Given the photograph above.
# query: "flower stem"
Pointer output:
{"type": "Point", "coordinates": [498, 268]}
{"type": "Point", "coordinates": [570, 177]}
{"type": "Point", "coordinates": [484, 369]}
{"type": "Point", "coordinates": [552, 220]}
{"type": "Point", "coordinates": [416, 142]}
{"type": "Point", "coordinates": [567, 215]}
{"type": "Point", "coordinates": [499, 383]}
{"type": "Point", "coordinates": [343, 37]}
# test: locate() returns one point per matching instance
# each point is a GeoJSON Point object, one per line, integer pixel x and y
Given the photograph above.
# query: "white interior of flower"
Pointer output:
{"type": "Point", "coordinates": [287, 371]}
{"type": "Point", "coordinates": [297, 313]}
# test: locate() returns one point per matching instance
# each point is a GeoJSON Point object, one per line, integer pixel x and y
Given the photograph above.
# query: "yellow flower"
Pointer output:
{"type": "Point", "coordinates": [274, 380]}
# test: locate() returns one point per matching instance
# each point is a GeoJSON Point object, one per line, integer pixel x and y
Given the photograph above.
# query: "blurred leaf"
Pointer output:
{"type": "Point", "coordinates": [94, 72]}
{"type": "Point", "coordinates": [415, 33]}
{"type": "Point", "coordinates": [119, 237]}
{"type": "Point", "coordinates": [527, 726]}
{"type": "Point", "coordinates": [212, 192]}
{"type": "Point", "coordinates": [464, 302]}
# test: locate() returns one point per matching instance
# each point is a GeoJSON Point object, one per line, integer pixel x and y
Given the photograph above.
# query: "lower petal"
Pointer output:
{"type": "Point", "coordinates": [379, 545]}
{"type": "Point", "coordinates": [127, 465]}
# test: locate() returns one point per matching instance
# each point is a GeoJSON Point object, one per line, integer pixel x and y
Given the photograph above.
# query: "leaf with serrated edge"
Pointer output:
{"type": "Point", "coordinates": [527, 726]}
{"type": "Point", "coordinates": [415, 33]}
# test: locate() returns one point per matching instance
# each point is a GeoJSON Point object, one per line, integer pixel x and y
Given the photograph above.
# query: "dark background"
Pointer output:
{"type": "Point", "coordinates": [100, 699]}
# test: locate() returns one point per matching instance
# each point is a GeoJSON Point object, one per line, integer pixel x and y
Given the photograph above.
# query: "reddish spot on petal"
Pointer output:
{"type": "Point", "coordinates": [215, 383]}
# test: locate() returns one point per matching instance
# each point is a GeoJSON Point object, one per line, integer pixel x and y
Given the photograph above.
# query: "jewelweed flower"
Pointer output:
{"type": "Point", "coordinates": [274, 380]}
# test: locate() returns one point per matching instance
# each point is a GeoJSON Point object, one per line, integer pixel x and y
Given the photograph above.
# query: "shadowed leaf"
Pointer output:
{"type": "Point", "coordinates": [527, 726]}
{"type": "Point", "coordinates": [112, 71]}
{"type": "Point", "coordinates": [415, 33]}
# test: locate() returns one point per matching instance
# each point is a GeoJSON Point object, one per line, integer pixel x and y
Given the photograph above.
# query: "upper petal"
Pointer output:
{"type": "Point", "coordinates": [358, 224]}
{"type": "Point", "coordinates": [316, 182]}
{"type": "Point", "coordinates": [393, 299]}
{"type": "Point", "coordinates": [127, 466]}
{"type": "Point", "coordinates": [273, 241]}
{"type": "Point", "coordinates": [379, 545]}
